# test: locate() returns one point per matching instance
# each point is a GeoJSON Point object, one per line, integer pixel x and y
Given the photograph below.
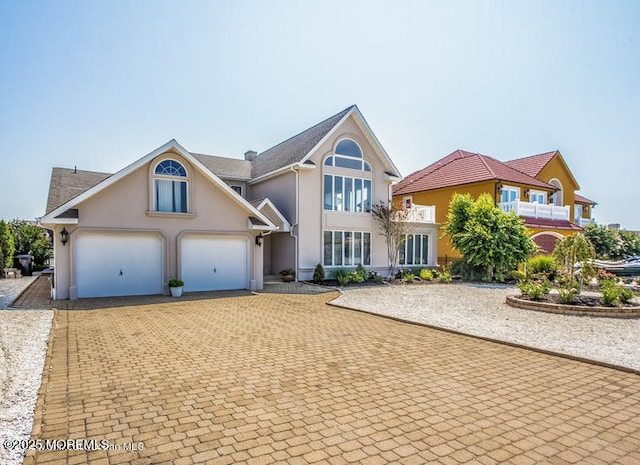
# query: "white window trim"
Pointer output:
{"type": "Point", "coordinates": [533, 192]}
{"type": "Point", "coordinates": [353, 264]}
{"type": "Point", "coordinates": [153, 211]}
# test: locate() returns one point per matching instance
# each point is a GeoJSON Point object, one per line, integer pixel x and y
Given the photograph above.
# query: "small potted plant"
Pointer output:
{"type": "Point", "coordinates": [175, 286]}
{"type": "Point", "coordinates": [288, 275]}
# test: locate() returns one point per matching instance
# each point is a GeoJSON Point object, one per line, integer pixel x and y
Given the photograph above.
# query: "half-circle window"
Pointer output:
{"type": "Point", "coordinates": [349, 148]}
{"type": "Point", "coordinates": [171, 168]}
{"type": "Point", "coordinates": [348, 155]}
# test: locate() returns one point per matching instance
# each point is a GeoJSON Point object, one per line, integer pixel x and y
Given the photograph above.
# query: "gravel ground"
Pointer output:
{"type": "Point", "coordinates": [23, 345]}
{"type": "Point", "coordinates": [480, 310]}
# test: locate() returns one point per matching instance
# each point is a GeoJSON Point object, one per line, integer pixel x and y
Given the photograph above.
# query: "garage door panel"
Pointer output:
{"type": "Point", "coordinates": [118, 265]}
{"type": "Point", "coordinates": [214, 263]}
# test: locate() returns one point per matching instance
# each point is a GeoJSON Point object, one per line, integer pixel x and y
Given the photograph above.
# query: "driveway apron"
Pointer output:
{"type": "Point", "coordinates": [275, 378]}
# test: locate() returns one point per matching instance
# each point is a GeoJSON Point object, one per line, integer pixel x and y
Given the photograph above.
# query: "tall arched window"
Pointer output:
{"type": "Point", "coordinates": [170, 187]}
{"type": "Point", "coordinates": [557, 198]}
{"type": "Point", "coordinates": [344, 190]}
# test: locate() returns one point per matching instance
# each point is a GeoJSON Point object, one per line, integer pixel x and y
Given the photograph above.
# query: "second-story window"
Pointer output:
{"type": "Point", "coordinates": [170, 187]}
{"type": "Point", "coordinates": [348, 155]}
{"type": "Point", "coordinates": [346, 194]}
{"type": "Point", "coordinates": [509, 194]}
{"type": "Point", "coordinates": [343, 192]}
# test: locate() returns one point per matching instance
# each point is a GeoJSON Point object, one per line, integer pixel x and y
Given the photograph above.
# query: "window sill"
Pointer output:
{"type": "Point", "coordinates": [154, 214]}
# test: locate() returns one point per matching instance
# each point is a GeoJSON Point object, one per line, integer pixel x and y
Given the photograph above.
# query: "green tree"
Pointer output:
{"type": "Point", "coordinates": [604, 240]}
{"type": "Point", "coordinates": [32, 240]}
{"type": "Point", "coordinates": [629, 243]}
{"type": "Point", "coordinates": [6, 245]}
{"type": "Point", "coordinates": [394, 223]}
{"type": "Point", "coordinates": [572, 249]}
{"type": "Point", "coordinates": [486, 236]}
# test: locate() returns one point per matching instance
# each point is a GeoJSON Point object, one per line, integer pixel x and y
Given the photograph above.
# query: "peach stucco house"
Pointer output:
{"type": "Point", "coordinates": [224, 223]}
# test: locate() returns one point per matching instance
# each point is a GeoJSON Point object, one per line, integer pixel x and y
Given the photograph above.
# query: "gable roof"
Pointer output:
{"type": "Point", "coordinates": [534, 164]}
{"type": "Point", "coordinates": [461, 167]}
{"type": "Point", "coordinates": [67, 184]}
{"type": "Point", "coordinates": [299, 148]}
{"type": "Point", "coordinates": [229, 168]}
{"type": "Point", "coordinates": [53, 216]}
{"type": "Point", "coordinates": [294, 149]}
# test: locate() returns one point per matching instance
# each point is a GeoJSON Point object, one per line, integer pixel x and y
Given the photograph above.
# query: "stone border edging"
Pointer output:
{"type": "Point", "coordinates": [609, 312]}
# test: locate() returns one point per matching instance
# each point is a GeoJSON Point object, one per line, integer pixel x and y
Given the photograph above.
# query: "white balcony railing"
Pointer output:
{"type": "Point", "coordinates": [536, 210]}
{"type": "Point", "coordinates": [421, 214]}
{"type": "Point", "coordinates": [582, 222]}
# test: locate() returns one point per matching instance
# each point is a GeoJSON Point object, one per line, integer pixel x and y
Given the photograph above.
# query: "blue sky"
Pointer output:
{"type": "Point", "coordinates": [98, 84]}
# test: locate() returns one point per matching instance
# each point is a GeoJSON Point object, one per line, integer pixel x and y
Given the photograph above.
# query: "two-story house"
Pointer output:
{"type": "Point", "coordinates": [540, 188]}
{"type": "Point", "coordinates": [224, 223]}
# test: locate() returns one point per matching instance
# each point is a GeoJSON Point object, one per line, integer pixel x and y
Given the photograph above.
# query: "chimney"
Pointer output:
{"type": "Point", "coordinates": [250, 155]}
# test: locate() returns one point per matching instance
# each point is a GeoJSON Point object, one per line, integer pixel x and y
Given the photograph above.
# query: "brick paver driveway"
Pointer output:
{"type": "Point", "coordinates": [287, 379]}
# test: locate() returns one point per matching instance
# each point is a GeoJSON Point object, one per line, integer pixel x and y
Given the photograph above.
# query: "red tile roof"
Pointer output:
{"type": "Point", "coordinates": [532, 165]}
{"type": "Point", "coordinates": [581, 199]}
{"type": "Point", "coordinates": [550, 224]}
{"type": "Point", "coordinates": [462, 167]}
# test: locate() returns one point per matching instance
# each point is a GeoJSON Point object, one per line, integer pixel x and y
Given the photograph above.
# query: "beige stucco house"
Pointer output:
{"type": "Point", "coordinates": [223, 223]}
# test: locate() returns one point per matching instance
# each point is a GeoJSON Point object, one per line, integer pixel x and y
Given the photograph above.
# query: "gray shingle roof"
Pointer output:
{"type": "Point", "coordinates": [67, 184]}
{"type": "Point", "coordinates": [225, 167]}
{"type": "Point", "coordinates": [294, 149]}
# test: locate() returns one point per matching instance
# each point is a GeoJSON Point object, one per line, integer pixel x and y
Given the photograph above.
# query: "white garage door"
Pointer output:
{"type": "Point", "coordinates": [118, 264]}
{"type": "Point", "coordinates": [214, 263]}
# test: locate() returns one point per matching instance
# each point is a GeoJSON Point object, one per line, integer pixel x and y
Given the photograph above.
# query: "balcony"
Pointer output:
{"type": "Point", "coordinates": [582, 222]}
{"type": "Point", "coordinates": [536, 210]}
{"type": "Point", "coordinates": [421, 214]}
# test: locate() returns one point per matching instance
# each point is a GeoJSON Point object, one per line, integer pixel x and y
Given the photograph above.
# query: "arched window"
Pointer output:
{"type": "Point", "coordinates": [170, 187]}
{"type": "Point", "coordinates": [348, 155]}
{"type": "Point", "coordinates": [557, 197]}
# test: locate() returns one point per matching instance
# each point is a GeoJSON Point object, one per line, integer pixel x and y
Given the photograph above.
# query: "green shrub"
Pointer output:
{"type": "Point", "coordinates": [517, 275]}
{"type": "Point", "coordinates": [468, 271]}
{"type": "Point", "coordinates": [568, 296]}
{"type": "Point", "coordinates": [426, 275]}
{"type": "Point", "coordinates": [444, 277]}
{"type": "Point", "coordinates": [355, 277]}
{"type": "Point", "coordinates": [408, 275]}
{"type": "Point", "coordinates": [499, 277]}
{"type": "Point", "coordinates": [614, 294]}
{"type": "Point", "coordinates": [342, 276]}
{"type": "Point", "coordinates": [174, 282]}
{"type": "Point", "coordinates": [318, 274]}
{"type": "Point", "coordinates": [534, 289]}
{"type": "Point", "coordinates": [361, 272]}
{"type": "Point", "coordinates": [543, 264]}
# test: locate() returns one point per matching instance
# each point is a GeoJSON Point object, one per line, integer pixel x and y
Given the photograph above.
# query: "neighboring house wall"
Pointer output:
{"type": "Point", "coordinates": [557, 169]}
{"type": "Point", "coordinates": [440, 198]}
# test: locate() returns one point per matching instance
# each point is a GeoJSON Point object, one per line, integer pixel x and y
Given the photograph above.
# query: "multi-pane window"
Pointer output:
{"type": "Point", "coordinates": [348, 155]}
{"type": "Point", "coordinates": [415, 250]}
{"type": "Point", "coordinates": [347, 248]}
{"type": "Point", "coordinates": [347, 194]}
{"type": "Point", "coordinates": [170, 187]}
{"type": "Point", "coordinates": [538, 197]}
{"type": "Point", "coordinates": [509, 194]}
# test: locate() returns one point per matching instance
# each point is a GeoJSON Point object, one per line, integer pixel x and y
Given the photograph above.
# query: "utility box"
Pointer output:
{"type": "Point", "coordinates": [24, 263]}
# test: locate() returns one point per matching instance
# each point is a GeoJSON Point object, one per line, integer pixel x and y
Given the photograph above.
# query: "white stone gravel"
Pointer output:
{"type": "Point", "coordinates": [480, 310]}
{"type": "Point", "coordinates": [23, 346]}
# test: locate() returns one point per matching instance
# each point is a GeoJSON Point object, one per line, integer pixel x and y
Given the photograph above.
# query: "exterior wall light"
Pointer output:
{"type": "Point", "coordinates": [64, 236]}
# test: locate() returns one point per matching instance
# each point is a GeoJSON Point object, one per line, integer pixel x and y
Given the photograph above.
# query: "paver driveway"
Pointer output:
{"type": "Point", "coordinates": [287, 379]}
